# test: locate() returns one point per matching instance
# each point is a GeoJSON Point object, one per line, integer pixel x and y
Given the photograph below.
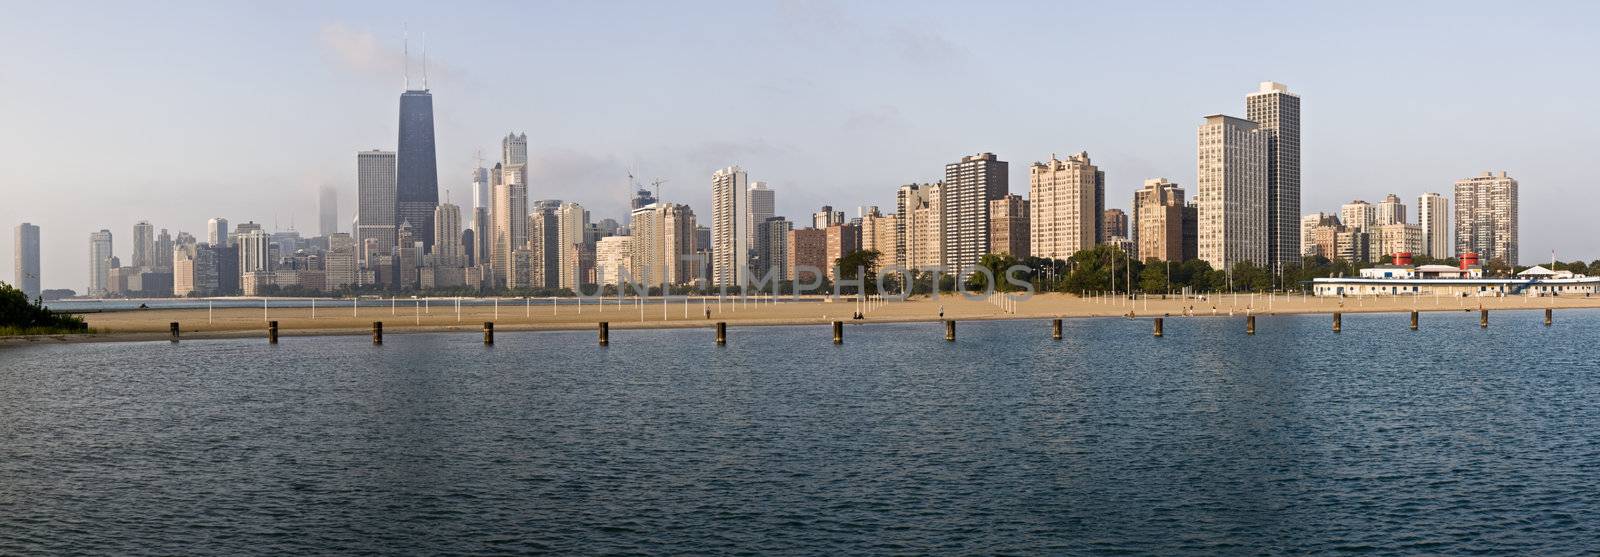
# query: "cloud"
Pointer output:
{"type": "Point", "coordinates": [878, 118]}
{"type": "Point", "coordinates": [361, 52]}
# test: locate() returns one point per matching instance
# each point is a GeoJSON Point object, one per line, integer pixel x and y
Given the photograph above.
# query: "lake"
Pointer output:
{"type": "Point", "coordinates": [1380, 439]}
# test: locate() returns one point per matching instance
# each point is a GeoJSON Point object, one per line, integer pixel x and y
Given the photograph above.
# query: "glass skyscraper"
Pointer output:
{"type": "Point", "coordinates": [416, 173]}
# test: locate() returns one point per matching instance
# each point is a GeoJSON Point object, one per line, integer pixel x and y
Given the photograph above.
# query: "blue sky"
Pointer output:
{"type": "Point", "coordinates": [178, 112]}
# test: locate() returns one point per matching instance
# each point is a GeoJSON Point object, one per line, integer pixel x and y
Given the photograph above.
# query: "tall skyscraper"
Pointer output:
{"type": "Point", "coordinates": [826, 217]}
{"type": "Point", "coordinates": [1114, 224]}
{"type": "Point", "coordinates": [144, 246]}
{"type": "Point", "coordinates": [375, 200]}
{"type": "Point", "coordinates": [1433, 213]}
{"type": "Point", "coordinates": [161, 255]}
{"type": "Point", "coordinates": [573, 241]}
{"type": "Point", "coordinates": [1391, 211]}
{"type": "Point", "coordinates": [513, 165]}
{"type": "Point", "coordinates": [255, 252]}
{"type": "Point", "coordinates": [416, 170]}
{"type": "Point", "coordinates": [1231, 192]}
{"type": "Point", "coordinates": [772, 249]}
{"type": "Point", "coordinates": [763, 205]}
{"type": "Point", "coordinates": [879, 233]}
{"type": "Point", "coordinates": [339, 265]}
{"type": "Point", "coordinates": [663, 240]}
{"type": "Point", "coordinates": [26, 256]}
{"type": "Point", "coordinates": [447, 236]}
{"type": "Point", "coordinates": [924, 236]}
{"type": "Point", "coordinates": [481, 194]}
{"type": "Point", "coordinates": [969, 185]}
{"type": "Point", "coordinates": [1064, 217]}
{"type": "Point", "coordinates": [327, 211]}
{"type": "Point", "coordinates": [1277, 111]}
{"type": "Point", "coordinates": [909, 197]}
{"type": "Point", "coordinates": [1160, 219]}
{"type": "Point", "coordinates": [730, 242]}
{"type": "Point", "coordinates": [1486, 217]}
{"type": "Point", "coordinates": [509, 233]}
{"type": "Point", "coordinates": [100, 264]}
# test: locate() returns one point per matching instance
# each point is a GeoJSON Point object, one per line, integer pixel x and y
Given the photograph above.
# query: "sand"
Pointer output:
{"type": "Point", "coordinates": [514, 316]}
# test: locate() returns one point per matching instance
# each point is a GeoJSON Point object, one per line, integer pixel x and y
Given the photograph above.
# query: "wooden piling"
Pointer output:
{"type": "Point", "coordinates": [1414, 320]}
{"type": "Point", "coordinates": [1549, 317]}
{"type": "Point", "coordinates": [377, 332]}
{"type": "Point", "coordinates": [488, 333]}
{"type": "Point", "coordinates": [722, 333]}
{"type": "Point", "coordinates": [1483, 319]}
{"type": "Point", "coordinates": [950, 330]}
{"type": "Point", "coordinates": [605, 333]}
{"type": "Point", "coordinates": [1055, 329]}
{"type": "Point", "coordinates": [1338, 321]}
{"type": "Point", "coordinates": [272, 332]}
{"type": "Point", "coordinates": [838, 332]}
{"type": "Point", "coordinates": [1250, 325]}
{"type": "Point", "coordinates": [1159, 325]}
{"type": "Point", "coordinates": [174, 329]}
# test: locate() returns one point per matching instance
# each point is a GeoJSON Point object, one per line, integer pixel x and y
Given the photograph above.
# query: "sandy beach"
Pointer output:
{"type": "Point", "coordinates": [441, 314]}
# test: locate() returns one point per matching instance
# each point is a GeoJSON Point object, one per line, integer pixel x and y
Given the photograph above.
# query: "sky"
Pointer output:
{"type": "Point", "coordinates": [176, 112]}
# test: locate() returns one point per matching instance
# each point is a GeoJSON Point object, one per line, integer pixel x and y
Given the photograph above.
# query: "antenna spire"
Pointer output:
{"type": "Point", "coordinates": [405, 49]}
{"type": "Point", "coordinates": [424, 61]}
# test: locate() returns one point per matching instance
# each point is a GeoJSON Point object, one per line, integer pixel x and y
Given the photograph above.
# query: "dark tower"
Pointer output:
{"type": "Point", "coordinates": [416, 173]}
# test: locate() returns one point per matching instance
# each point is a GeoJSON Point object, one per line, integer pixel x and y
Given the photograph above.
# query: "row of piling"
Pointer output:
{"type": "Point", "coordinates": [1158, 324]}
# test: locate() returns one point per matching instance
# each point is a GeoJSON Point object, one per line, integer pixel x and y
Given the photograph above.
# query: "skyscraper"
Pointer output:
{"type": "Point", "coordinates": [375, 197]}
{"type": "Point", "coordinates": [763, 205]}
{"type": "Point", "coordinates": [26, 256]}
{"type": "Point", "coordinates": [339, 265]}
{"type": "Point", "coordinates": [572, 239]}
{"type": "Point", "coordinates": [327, 211]}
{"type": "Point", "coordinates": [510, 231]}
{"type": "Point", "coordinates": [1277, 111]}
{"type": "Point", "coordinates": [513, 159]}
{"type": "Point", "coordinates": [144, 245]}
{"type": "Point", "coordinates": [730, 243]}
{"type": "Point", "coordinates": [100, 255]}
{"type": "Point", "coordinates": [663, 240]}
{"type": "Point", "coordinates": [161, 255]}
{"type": "Point", "coordinates": [1231, 193]}
{"type": "Point", "coordinates": [416, 171]}
{"type": "Point", "coordinates": [1486, 217]}
{"type": "Point", "coordinates": [1358, 215]}
{"type": "Point", "coordinates": [1114, 224]}
{"type": "Point", "coordinates": [772, 249]}
{"type": "Point", "coordinates": [227, 264]}
{"type": "Point", "coordinates": [908, 198]}
{"type": "Point", "coordinates": [447, 236]}
{"type": "Point", "coordinates": [480, 187]}
{"type": "Point", "coordinates": [1433, 213]}
{"type": "Point", "coordinates": [969, 185]}
{"type": "Point", "coordinates": [1064, 218]}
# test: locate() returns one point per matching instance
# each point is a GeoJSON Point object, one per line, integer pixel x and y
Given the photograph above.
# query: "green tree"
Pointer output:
{"type": "Point", "coordinates": [859, 264]}
{"type": "Point", "coordinates": [18, 315]}
{"type": "Point", "coordinates": [1154, 278]}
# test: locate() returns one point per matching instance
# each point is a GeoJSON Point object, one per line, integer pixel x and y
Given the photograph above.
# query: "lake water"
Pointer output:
{"type": "Point", "coordinates": [1451, 439]}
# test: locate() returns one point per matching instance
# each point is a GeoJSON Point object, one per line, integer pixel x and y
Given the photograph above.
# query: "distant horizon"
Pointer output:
{"type": "Point", "coordinates": [829, 103]}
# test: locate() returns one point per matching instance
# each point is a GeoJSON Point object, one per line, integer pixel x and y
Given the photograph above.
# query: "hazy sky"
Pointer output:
{"type": "Point", "coordinates": [178, 112]}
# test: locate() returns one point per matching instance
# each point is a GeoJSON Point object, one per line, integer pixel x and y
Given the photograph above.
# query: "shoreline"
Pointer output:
{"type": "Point", "coordinates": [235, 323]}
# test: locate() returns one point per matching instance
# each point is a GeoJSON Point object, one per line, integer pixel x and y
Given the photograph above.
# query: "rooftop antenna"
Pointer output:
{"type": "Point", "coordinates": [405, 50]}
{"type": "Point", "coordinates": [424, 60]}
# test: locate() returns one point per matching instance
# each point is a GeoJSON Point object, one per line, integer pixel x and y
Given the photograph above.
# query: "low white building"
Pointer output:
{"type": "Point", "coordinates": [1444, 280]}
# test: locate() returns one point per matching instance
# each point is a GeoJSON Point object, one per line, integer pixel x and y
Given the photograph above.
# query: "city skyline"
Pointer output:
{"type": "Point", "coordinates": [583, 151]}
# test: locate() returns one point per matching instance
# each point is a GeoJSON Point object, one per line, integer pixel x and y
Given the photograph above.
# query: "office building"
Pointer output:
{"type": "Point", "coordinates": [26, 260]}
{"type": "Point", "coordinates": [969, 185]}
{"type": "Point", "coordinates": [1394, 239]}
{"type": "Point", "coordinates": [663, 243]}
{"type": "Point", "coordinates": [255, 252]}
{"type": "Point", "coordinates": [416, 171]}
{"type": "Point", "coordinates": [1231, 192]}
{"type": "Point", "coordinates": [613, 263]}
{"type": "Point", "coordinates": [375, 200]}
{"type": "Point", "coordinates": [1358, 215]}
{"type": "Point", "coordinates": [447, 236]}
{"type": "Point", "coordinates": [1311, 244]}
{"type": "Point", "coordinates": [924, 238]}
{"type": "Point", "coordinates": [730, 244]}
{"type": "Point", "coordinates": [1277, 113]}
{"type": "Point", "coordinates": [327, 211]}
{"type": "Point", "coordinates": [144, 246]}
{"type": "Point", "coordinates": [1064, 217]}
{"type": "Point", "coordinates": [1114, 224]}
{"type": "Point", "coordinates": [574, 243]}
{"type": "Point", "coordinates": [763, 205]}
{"type": "Point", "coordinates": [1433, 214]}
{"type": "Point", "coordinates": [907, 199]}
{"type": "Point", "coordinates": [826, 217]}
{"type": "Point", "coordinates": [843, 240]}
{"type": "Point", "coordinates": [879, 233]}
{"type": "Point", "coordinates": [340, 264]}
{"type": "Point", "coordinates": [1008, 226]}
{"type": "Point", "coordinates": [509, 232]}
{"type": "Point", "coordinates": [1486, 217]}
{"type": "Point", "coordinates": [771, 262]}
{"type": "Point", "coordinates": [1390, 211]}
{"type": "Point", "coordinates": [101, 261]}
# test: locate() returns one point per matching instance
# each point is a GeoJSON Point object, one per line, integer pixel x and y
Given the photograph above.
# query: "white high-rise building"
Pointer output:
{"type": "Point", "coordinates": [730, 240]}
{"type": "Point", "coordinates": [255, 252]}
{"type": "Point", "coordinates": [1231, 192]}
{"type": "Point", "coordinates": [572, 239]}
{"type": "Point", "coordinates": [340, 262]}
{"type": "Point", "coordinates": [1391, 211]}
{"type": "Point", "coordinates": [1358, 215]}
{"type": "Point", "coordinates": [763, 206]}
{"type": "Point", "coordinates": [480, 187]}
{"type": "Point", "coordinates": [327, 211]}
{"type": "Point", "coordinates": [509, 231]}
{"type": "Point", "coordinates": [969, 185]}
{"type": "Point", "coordinates": [447, 236]}
{"type": "Point", "coordinates": [26, 257]}
{"type": "Point", "coordinates": [663, 241]}
{"type": "Point", "coordinates": [1063, 214]}
{"type": "Point", "coordinates": [1486, 217]}
{"type": "Point", "coordinates": [1277, 112]}
{"type": "Point", "coordinates": [375, 200]}
{"type": "Point", "coordinates": [217, 232]}
{"type": "Point", "coordinates": [144, 246]}
{"type": "Point", "coordinates": [99, 262]}
{"type": "Point", "coordinates": [514, 158]}
{"type": "Point", "coordinates": [1433, 213]}
{"type": "Point", "coordinates": [612, 262]}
